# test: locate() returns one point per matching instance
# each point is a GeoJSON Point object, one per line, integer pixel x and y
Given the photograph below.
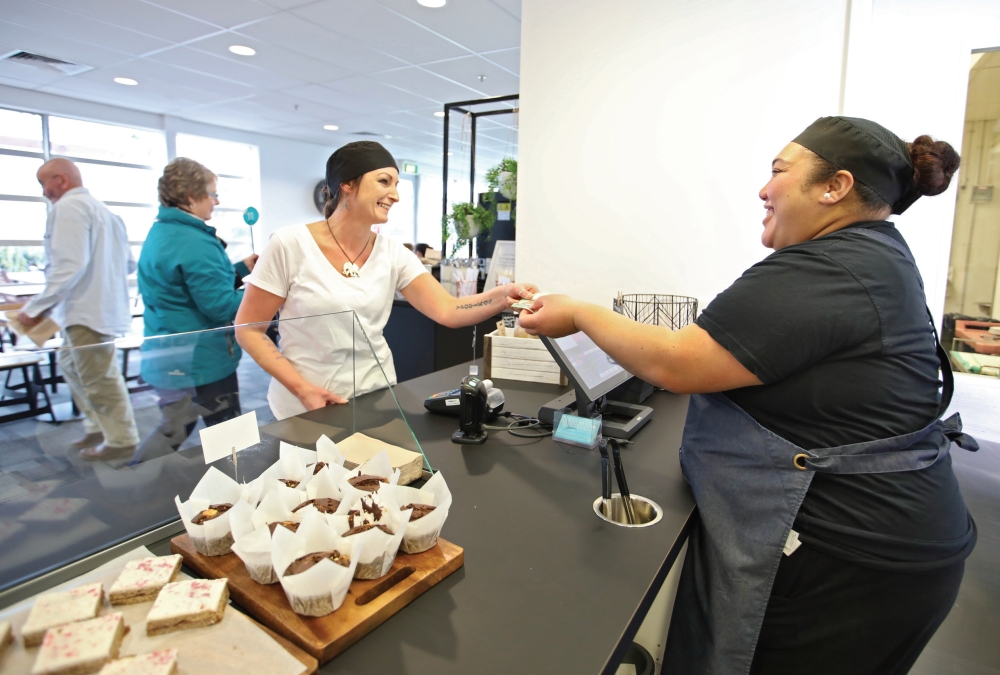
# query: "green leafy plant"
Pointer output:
{"type": "Point", "coordinates": [459, 217]}
{"type": "Point", "coordinates": [497, 180]}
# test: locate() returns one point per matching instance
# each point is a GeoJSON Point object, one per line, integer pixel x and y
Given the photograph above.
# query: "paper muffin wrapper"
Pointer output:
{"type": "Point", "coordinates": [327, 482]}
{"type": "Point", "coordinates": [291, 465]}
{"type": "Point", "coordinates": [423, 534]}
{"type": "Point", "coordinates": [252, 545]}
{"type": "Point", "coordinates": [276, 507]}
{"type": "Point", "coordinates": [379, 548]}
{"type": "Point", "coordinates": [322, 588]}
{"type": "Point", "coordinates": [327, 451]}
{"type": "Point", "coordinates": [378, 465]}
{"type": "Point", "coordinates": [213, 537]}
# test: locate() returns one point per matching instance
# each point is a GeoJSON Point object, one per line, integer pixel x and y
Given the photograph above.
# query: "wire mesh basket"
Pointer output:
{"type": "Point", "coordinates": [674, 311]}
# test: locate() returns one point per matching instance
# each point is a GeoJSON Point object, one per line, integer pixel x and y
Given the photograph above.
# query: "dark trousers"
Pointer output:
{"type": "Point", "coordinates": [213, 402]}
{"type": "Point", "coordinates": [829, 616]}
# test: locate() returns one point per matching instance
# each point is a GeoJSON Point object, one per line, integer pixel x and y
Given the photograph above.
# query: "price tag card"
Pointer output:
{"type": "Point", "coordinates": [582, 431]}
{"type": "Point", "coordinates": [225, 438]}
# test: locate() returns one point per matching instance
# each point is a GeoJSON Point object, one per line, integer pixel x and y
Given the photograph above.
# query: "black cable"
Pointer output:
{"type": "Point", "coordinates": [521, 422]}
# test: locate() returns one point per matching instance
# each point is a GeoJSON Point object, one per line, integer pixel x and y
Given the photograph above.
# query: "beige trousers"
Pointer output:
{"type": "Point", "coordinates": [97, 385]}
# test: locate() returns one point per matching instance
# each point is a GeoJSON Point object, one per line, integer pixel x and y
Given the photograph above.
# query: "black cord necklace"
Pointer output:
{"type": "Point", "coordinates": [350, 269]}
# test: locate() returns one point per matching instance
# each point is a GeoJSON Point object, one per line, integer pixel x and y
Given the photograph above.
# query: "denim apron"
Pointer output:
{"type": "Point", "coordinates": [748, 484]}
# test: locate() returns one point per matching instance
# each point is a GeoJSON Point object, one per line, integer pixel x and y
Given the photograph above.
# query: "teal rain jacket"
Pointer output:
{"type": "Point", "coordinates": [187, 284]}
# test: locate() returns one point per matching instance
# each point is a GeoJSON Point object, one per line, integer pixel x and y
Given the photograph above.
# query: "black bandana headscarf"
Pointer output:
{"type": "Point", "coordinates": [356, 159]}
{"type": "Point", "coordinates": [876, 157]}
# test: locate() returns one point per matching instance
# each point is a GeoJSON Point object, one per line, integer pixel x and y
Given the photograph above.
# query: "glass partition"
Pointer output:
{"type": "Point", "coordinates": [57, 506]}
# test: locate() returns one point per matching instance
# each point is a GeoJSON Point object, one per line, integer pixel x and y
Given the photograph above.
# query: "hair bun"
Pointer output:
{"type": "Point", "coordinates": [934, 162]}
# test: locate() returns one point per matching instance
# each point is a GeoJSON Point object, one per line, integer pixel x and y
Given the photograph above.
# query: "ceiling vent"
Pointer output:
{"type": "Point", "coordinates": [45, 62]}
{"type": "Point", "coordinates": [365, 133]}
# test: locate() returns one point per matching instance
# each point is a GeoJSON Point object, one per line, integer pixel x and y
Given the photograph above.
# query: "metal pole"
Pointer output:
{"type": "Point", "coordinates": [444, 187]}
{"type": "Point", "coordinates": [472, 172]}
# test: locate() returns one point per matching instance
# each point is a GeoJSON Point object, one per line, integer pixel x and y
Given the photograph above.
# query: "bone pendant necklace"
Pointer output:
{"type": "Point", "coordinates": [350, 268]}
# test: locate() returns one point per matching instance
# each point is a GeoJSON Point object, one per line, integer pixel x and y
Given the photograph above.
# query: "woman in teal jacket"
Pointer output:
{"type": "Point", "coordinates": [188, 284]}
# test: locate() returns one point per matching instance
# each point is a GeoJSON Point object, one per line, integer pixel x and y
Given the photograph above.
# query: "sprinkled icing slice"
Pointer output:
{"type": "Point", "coordinates": [80, 647]}
{"type": "Point", "coordinates": [56, 609]}
{"type": "Point", "coordinates": [142, 579]}
{"type": "Point", "coordinates": [187, 604]}
{"type": "Point", "coordinates": [162, 662]}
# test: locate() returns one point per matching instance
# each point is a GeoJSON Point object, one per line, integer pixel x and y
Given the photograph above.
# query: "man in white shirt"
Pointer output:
{"type": "Point", "coordinates": [86, 293]}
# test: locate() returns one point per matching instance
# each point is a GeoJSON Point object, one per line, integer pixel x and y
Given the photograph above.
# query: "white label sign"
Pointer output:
{"type": "Point", "coordinates": [223, 439]}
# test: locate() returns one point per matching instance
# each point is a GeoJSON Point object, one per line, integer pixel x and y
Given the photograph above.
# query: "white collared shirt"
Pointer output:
{"type": "Point", "coordinates": [88, 263]}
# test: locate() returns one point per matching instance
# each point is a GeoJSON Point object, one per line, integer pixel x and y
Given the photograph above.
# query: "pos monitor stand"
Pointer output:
{"type": "Point", "coordinates": [593, 374]}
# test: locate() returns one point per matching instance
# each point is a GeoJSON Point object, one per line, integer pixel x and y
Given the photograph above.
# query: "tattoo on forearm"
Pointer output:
{"type": "Point", "coordinates": [481, 303]}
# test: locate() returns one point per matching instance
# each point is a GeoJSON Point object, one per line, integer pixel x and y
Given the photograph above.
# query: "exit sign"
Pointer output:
{"type": "Point", "coordinates": [409, 167]}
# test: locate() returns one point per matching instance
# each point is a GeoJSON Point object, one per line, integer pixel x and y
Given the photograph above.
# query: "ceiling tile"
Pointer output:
{"type": "Point", "coordinates": [367, 89]}
{"type": "Point", "coordinates": [467, 70]}
{"type": "Point", "coordinates": [308, 110]}
{"type": "Point", "coordinates": [224, 14]}
{"type": "Point", "coordinates": [305, 37]}
{"type": "Point", "coordinates": [506, 58]}
{"type": "Point", "coordinates": [144, 70]}
{"type": "Point", "coordinates": [417, 120]}
{"type": "Point", "coordinates": [46, 44]}
{"type": "Point", "coordinates": [203, 62]}
{"type": "Point", "coordinates": [427, 84]}
{"type": "Point", "coordinates": [63, 24]}
{"type": "Point", "coordinates": [380, 28]}
{"type": "Point", "coordinates": [271, 58]}
{"type": "Point", "coordinates": [137, 16]}
{"type": "Point", "coordinates": [29, 76]}
{"type": "Point", "coordinates": [478, 25]}
{"type": "Point", "coordinates": [226, 116]}
{"type": "Point", "coordinates": [337, 99]}
{"type": "Point", "coordinates": [288, 4]}
{"type": "Point", "coordinates": [173, 95]}
{"type": "Point", "coordinates": [512, 7]}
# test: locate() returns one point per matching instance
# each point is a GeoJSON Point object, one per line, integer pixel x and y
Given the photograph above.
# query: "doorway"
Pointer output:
{"type": "Point", "coordinates": [971, 325]}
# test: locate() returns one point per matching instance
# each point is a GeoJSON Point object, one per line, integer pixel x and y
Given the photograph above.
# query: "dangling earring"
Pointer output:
{"type": "Point", "coordinates": [826, 196]}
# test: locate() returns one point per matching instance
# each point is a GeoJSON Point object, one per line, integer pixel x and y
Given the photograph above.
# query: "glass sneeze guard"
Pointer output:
{"type": "Point", "coordinates": [57, 508]}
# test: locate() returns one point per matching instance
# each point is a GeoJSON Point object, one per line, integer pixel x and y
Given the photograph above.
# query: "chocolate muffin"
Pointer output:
{"type": "Point", "coordinates": [322, 504]}
{"type": "Point", "coordinates": [212, 512]}
{"type": "Point", "coordinates": [367, 526]}
{"type": "Point", "coordinates": [318, 465]}
{"type": "Point", "coordinates": [419, 510]}
{"type": "Point", "coordinates": [367, 483]}
{"type": "Point", "coordinates": [369, 507]}
{"type": "Point", "coordinates": [287, 524]}
{"type": "Point", "coordinates": [300, 565]}
{"type": "Point", "coordinates": [289, 482]}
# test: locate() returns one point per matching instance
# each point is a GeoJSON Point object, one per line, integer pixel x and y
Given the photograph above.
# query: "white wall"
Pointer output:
{"type": "Point", "coordinates": [289, 169]}
{"type": "Point", "coordinates": [647, 128]}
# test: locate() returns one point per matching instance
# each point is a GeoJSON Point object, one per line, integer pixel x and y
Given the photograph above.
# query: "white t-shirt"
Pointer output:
{"type": "Point", "coordinates": [320, 347]}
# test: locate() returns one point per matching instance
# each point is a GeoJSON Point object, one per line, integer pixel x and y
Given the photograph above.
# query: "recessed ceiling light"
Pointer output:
{"type": "Point", "coordinates": [126, 80]}
{"type": "Point", "coordinates": [439, 113]}
{"type": "Point", "coordinates": [330, 127]}
{"type": "Point", "coordinates": [242, 50]}
{"type": "Point", "coordinates": [432, 3]}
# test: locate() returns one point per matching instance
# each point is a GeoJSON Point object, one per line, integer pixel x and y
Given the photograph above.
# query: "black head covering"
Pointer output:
{"type": "Point", "coordinates": [356, 159]}
{"type": "Point", "coordinates": [875, 156]}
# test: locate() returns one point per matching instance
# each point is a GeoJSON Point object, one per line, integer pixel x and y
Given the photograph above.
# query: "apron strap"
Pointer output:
{"type": "Point", "coordinates": [946, 373]}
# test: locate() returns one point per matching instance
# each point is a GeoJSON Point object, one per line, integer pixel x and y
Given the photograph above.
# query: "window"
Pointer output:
{"type": "Point", "coordinates": [22, 208]}
{"type": "Point", "coordinates": [238, 167]}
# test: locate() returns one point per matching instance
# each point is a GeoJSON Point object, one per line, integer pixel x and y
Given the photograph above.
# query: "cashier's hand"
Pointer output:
{"type": "Point", "coordinates": [515, 292]}
{"type": "Point", "coordinates": [550, 315]}
{"type": "Point", "coordinates": [251, 261]}
{"type": "Point", "coordinates": [314, 398]}
{"type": "Point", "coordinates": [29, 321]}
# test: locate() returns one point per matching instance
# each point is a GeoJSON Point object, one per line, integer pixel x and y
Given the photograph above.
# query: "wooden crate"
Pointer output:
{"type": "Point", "coordinates": [525, 359]}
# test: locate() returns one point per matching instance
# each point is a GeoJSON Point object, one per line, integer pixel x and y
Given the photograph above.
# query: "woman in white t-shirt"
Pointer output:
{"type": "Point", "coordinates": [335, 265]}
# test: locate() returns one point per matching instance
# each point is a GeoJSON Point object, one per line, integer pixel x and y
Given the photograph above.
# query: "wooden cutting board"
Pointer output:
{"type": "Point", "coordinates": [368, 602]}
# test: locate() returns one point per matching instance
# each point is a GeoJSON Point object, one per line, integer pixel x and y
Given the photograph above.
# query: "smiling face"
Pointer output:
{"type": "Point", "coordinates": [795, 210]}
{"type": "Point", "coordinates": [375, 195]}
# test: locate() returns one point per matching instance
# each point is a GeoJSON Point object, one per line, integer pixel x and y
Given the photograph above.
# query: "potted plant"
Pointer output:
{"type": "Point", "coordinates": [502, 178]}
{"type": "Point", "coordinates": [467, 221]}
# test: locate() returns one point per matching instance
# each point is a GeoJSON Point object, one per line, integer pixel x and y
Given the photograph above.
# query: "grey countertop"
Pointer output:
{"type": "Point", "coordinates": [547, 586]}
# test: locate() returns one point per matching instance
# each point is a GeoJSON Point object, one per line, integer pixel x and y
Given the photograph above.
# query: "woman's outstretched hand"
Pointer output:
{"type": "Point", "coordinates": [315, 398]}
{"type": "Point", "coordinates": [550, 315]}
